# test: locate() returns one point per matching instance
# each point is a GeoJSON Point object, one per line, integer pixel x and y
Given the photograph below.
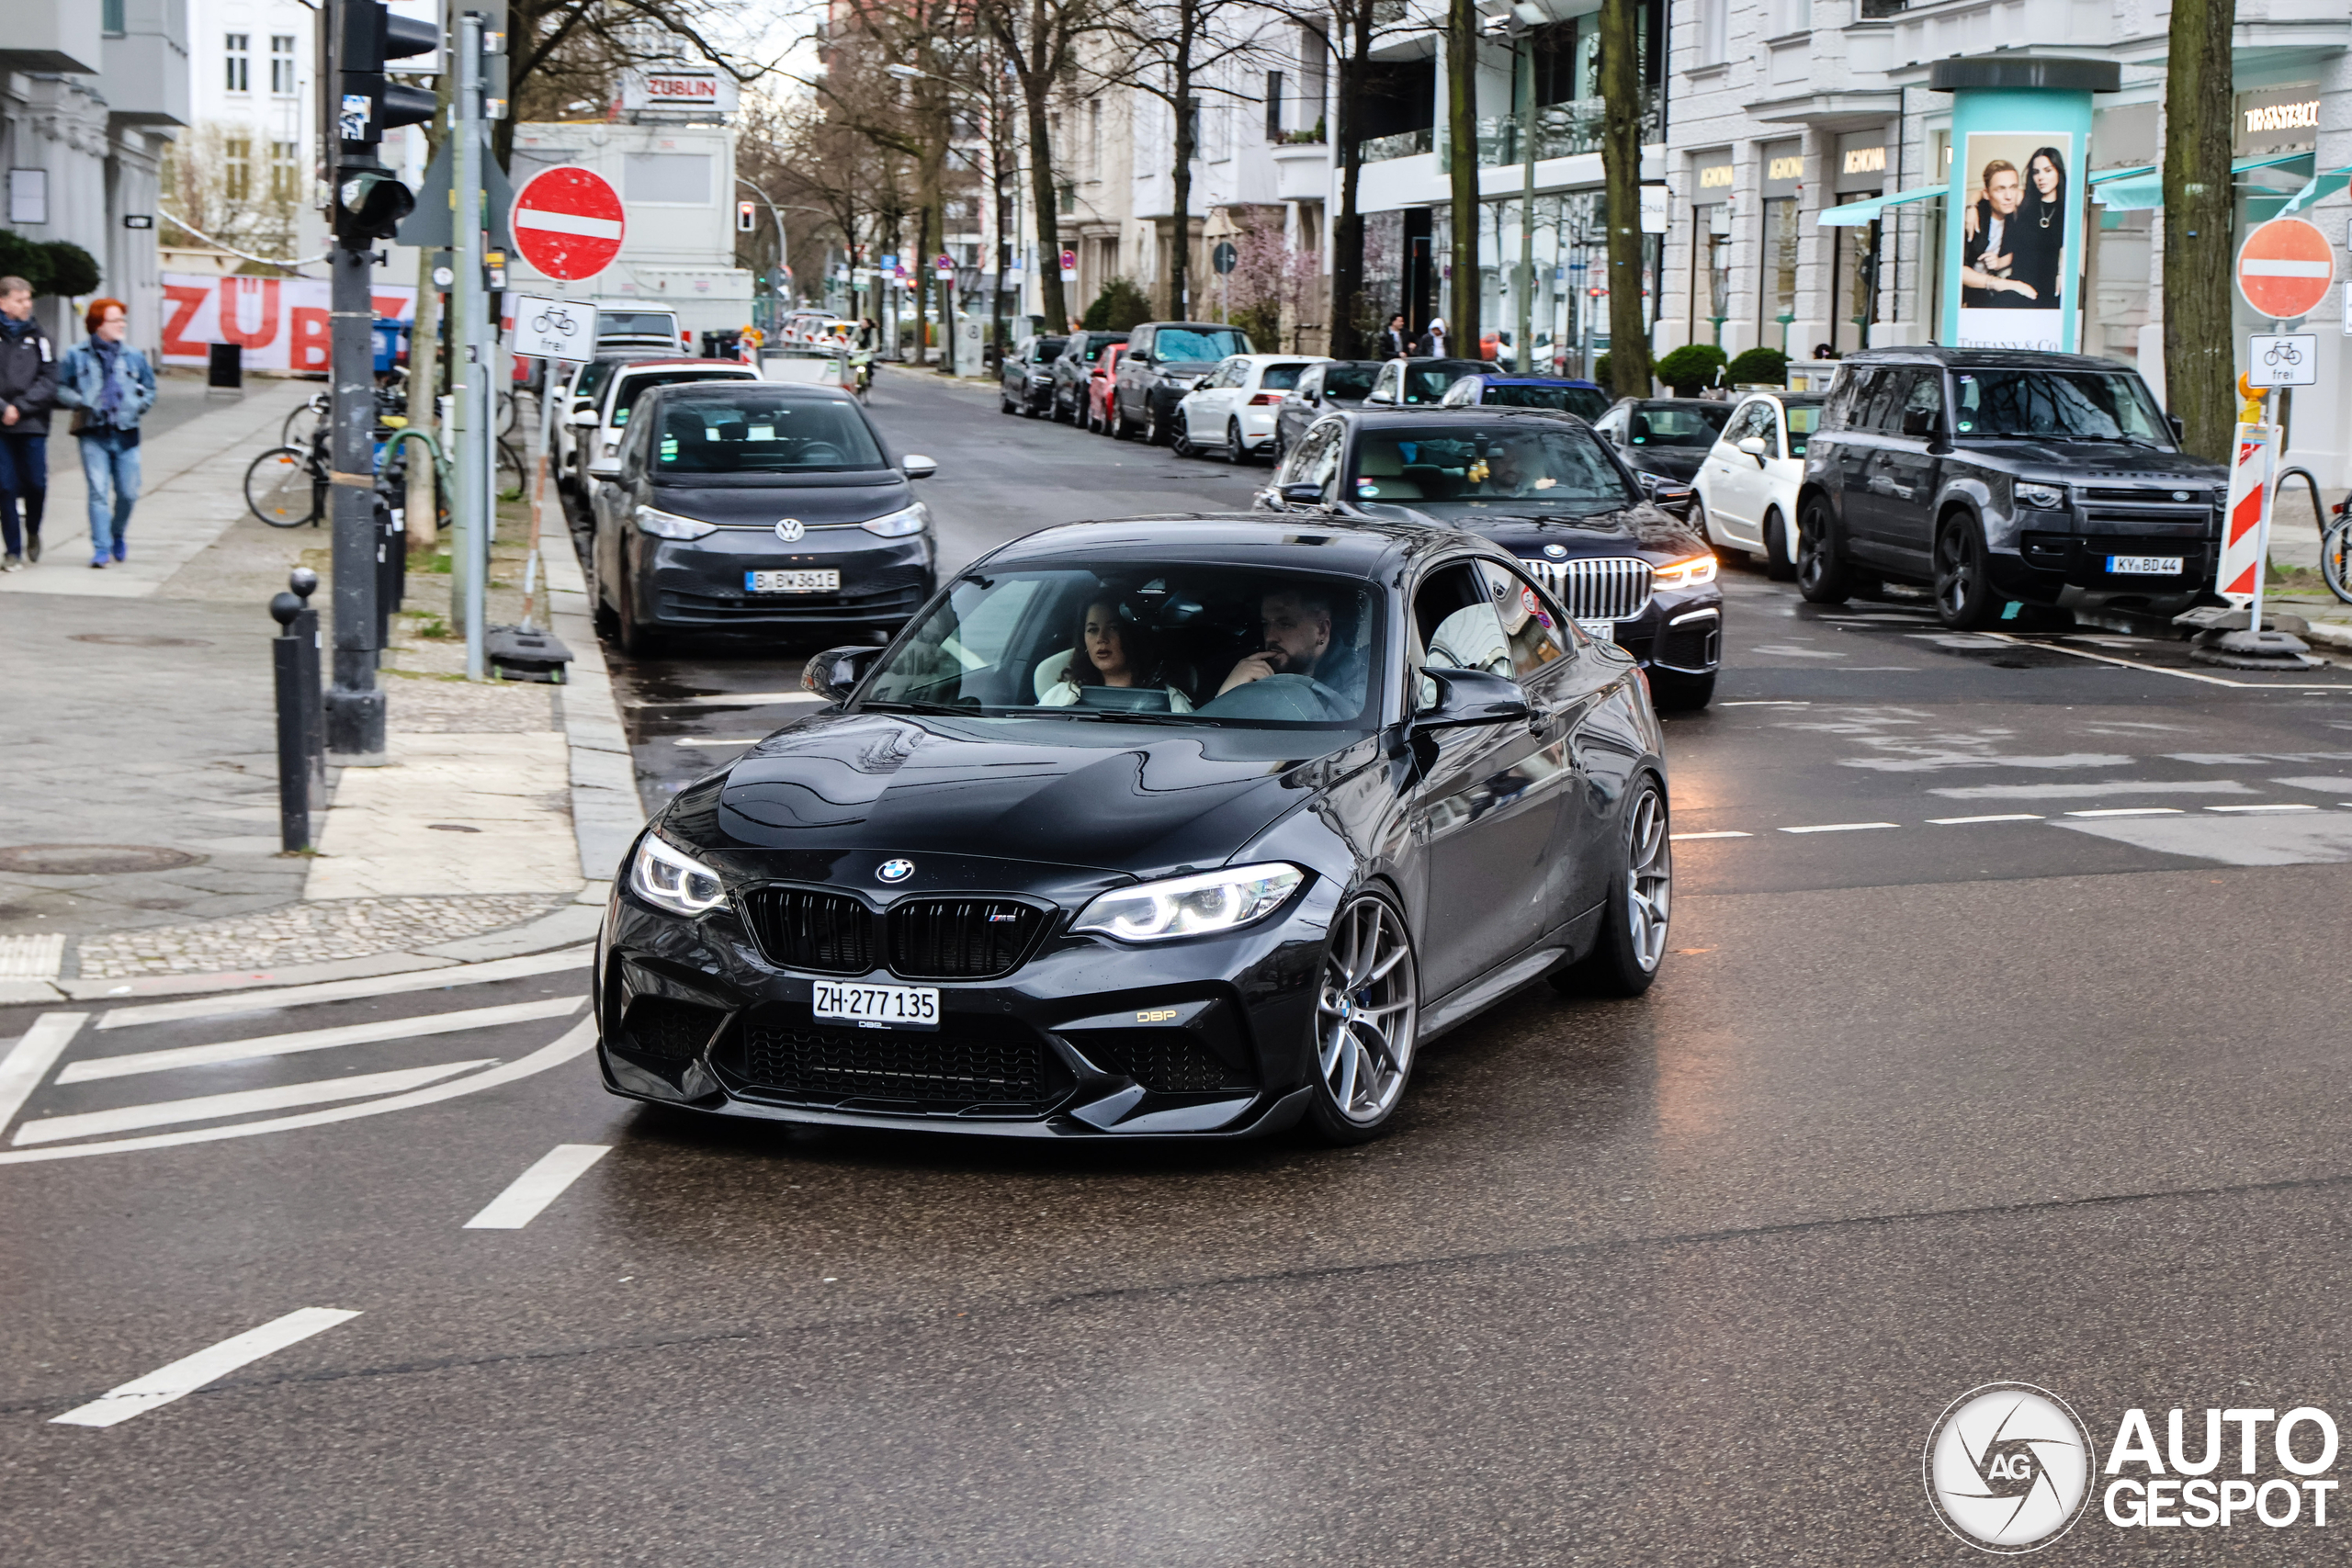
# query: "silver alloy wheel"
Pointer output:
{"type": "Point", "coordinates": [1649, 880]}
{"type": "Point", "coordinates": [1368, 1012]}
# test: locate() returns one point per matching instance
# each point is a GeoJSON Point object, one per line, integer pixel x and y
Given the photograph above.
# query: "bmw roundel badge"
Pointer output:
{"type": "Point", "coordinates": [789, 529]}
{"type": "Point", "coordinates": [1556, 552]}
{"type": "Point", "coordinates": [895, 870]}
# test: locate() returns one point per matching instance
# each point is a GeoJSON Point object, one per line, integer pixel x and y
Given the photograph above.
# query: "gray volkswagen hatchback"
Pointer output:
{"type": "Point", "coordinates": [749, 506]}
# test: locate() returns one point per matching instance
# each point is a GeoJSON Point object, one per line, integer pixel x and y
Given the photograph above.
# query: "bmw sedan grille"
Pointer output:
{"type": "Point", "coordinates": [1598, 591]}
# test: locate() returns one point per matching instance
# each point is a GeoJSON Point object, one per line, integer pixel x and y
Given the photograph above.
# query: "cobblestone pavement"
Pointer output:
{"type": "Point", "coordinates": [305, 934]}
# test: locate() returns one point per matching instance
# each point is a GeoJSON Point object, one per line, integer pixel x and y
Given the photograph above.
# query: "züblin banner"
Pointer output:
{"type": "Point", "coordinates": [2013, 228]}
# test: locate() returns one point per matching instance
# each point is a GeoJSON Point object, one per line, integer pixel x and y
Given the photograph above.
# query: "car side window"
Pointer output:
{"type": "Point", "coordinates": [1316, 460]}
{"type": "Point", "coordinates": [1885, 390]}
{"type": "Point", "coordinates": [1924, 395]}
{"type": "Point", "coordinates": [1530, 625]}
{"type": "Point", "coordinates": [1458, 625]}
{"type": "Point", "coordinates": [1310, 386]}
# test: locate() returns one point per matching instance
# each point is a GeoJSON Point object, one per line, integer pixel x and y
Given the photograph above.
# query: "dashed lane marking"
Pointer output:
{"type": "Point", "coordinates": [238, 1103]}
{"type": "Point", "coordinates": [2130, 811]}
{"type": "Point", "coordinates": [1840, 827]}
{"type": "Point", "coordinates": [98, 1067]}
{"type": "Point", "coordinates": [187, 1374]}
{"type": "Point", "coordinates": [345, 990]}
{"type": "Point", "coordinates": [726, 700]}
{"type": "Point", "coordinates": [1727, 833]}
{"type": "Point", "coordinates": [2273, 806]}
{"type": "Point", "coordinates": [537, 1187]}
{"type": "Point", "coordinates": [1997, 816]}
{"type": "Point", "coordinates": [727, 741]}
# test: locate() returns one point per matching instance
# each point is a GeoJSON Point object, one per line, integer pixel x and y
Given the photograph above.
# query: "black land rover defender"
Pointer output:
{"type": "Point", "coordinates": [2004, 476]}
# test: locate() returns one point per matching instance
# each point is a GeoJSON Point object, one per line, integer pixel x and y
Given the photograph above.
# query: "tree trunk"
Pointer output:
{"type": "Point", "coordinates": [1347, 228]}
{"type": "Point", "coordinates": [2197, 358]}
{"type": "Point", "coordinates": [1461, 154]}
{"type": "Point", "coordinates": [1034, 87]}
{"type": "Point", "coordinates": [1620, 164]}
{"type": "Point", "coordinates": [1179, 253]}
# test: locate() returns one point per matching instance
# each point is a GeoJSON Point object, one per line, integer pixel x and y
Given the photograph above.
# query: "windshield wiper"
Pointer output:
{"type": "Point", "coordinates": [885, 704]}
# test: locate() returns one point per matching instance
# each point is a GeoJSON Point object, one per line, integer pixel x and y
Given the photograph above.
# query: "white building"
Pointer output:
{"type": "Point", "coordinates": [91, 92]}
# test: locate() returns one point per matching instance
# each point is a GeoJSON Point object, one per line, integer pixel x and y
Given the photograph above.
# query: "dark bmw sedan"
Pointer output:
{"type": "Point", "coordinates": [1664, 440]}
{"type": "Point", "coordinates": [748, 506]}
{"type": "Point", "coordinates": [1170, 828]}
{"type": "Point", "coordinates": [1545, 488]}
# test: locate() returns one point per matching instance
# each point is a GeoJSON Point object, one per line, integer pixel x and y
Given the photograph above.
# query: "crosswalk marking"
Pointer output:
{"type": "Point", "coordinates": [206, 1107]}
{"type": "Point", "coordinates": [228, 1002]}
{"type": "Point", "coordinates": [537, 1187]}
{"type": "Point", "coordinates": [30, 1058]}
{"type": "Point", "coordinates": [1997, 816]}
{"type": "Point", "coordinates": [98, 1067]}
{"type": "Point", "coordinates": [187, 1374]}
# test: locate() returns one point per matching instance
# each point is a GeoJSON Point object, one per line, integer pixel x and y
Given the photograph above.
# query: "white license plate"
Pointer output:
{"type": "Point", "coordinates": [2144, 566]}
{"type": "Point", "coordinates": [792, 581]}
{"type": "Point", "coordinates": [1599, 631]}
{"type": "Point", "coordinates": [879, 1007]}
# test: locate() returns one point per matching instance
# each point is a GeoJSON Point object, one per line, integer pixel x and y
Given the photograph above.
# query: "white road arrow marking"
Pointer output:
{"type": "Point", "coordinates": [211, 1107]}
{"type": "Point", "coordinates": [30, 1058]}
{"type": "Point", "coordinates": [318, 1039]}
{"type": "Point", "coordinates": [407, 980]}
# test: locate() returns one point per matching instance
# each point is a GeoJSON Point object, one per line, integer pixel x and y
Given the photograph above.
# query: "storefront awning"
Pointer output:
{"type": "Point", "coordinates": [1854, 214]}
{"type": "Point", "coordinates": [2135, 190]}
{"type": "Point", "coordinates": [2318, 187]}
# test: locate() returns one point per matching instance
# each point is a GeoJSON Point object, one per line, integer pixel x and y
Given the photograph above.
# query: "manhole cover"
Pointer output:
{"type": "Point", "coordinates": [91, 860]}
{"type": "Point", "coordinates": [138, 640]}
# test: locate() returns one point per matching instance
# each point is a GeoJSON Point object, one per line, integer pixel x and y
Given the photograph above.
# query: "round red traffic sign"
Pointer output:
{"type": "Point", "coordinates": [2285, 268]}
{"type": "Point", "coordinates": [568, 224]}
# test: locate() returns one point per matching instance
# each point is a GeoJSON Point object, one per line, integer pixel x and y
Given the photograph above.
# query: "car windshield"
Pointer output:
{"type": "Point", "coordinates": [2063, 405]}
{"type": "Point", "coordinates": [1803, 420]}
{"type": "Point", "coordinates": [1534, 468]}
{"type": "Point", "coordinates": [1677, 424]}
{"type": "Point", "coordinates": [1280, 377]}
{"type": "Point", "coordinates": [1048, 348]}
{"type": "Point", "coordinates": [635, 387]}
{"type": "Point", "coordinates": [1425, 385]}
{"type": "Point", "coordinates": [704, 435]}
{"type": "Point", "coordinates": [1093, 347]}
{"type": "Point", "coordinates": [1184, 643]}
{"type": "Point", "coordinates": [640, 323]}
{"type": "Point", "coordinates": [1584, 402]}
{"type": "Point", "coordinates": [1352, 381]}
{"type": "Point", "coordinates": [1197, 345]}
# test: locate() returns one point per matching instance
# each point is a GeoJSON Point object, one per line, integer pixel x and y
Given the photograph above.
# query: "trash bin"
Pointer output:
{"type": "Point", "coordinates": [224, 364]}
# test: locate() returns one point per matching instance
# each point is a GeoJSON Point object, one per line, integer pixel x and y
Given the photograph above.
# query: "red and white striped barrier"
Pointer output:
{"type": "Point", "coordinates": [2245, 535]}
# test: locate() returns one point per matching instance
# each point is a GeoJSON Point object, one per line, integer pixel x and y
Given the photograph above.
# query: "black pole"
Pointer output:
{"type": "Point", "coordinates": [292, 658]}
{"type": "Point", "coordinates": [355, 707]}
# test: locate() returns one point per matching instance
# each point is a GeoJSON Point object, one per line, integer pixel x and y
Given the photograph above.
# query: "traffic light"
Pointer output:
{"type": "Point", "coordinates": [368, 102]}
{"type": "Point", "coordinates": [372, 204]}
{"type": "Point", "coordinates": [747, 218]}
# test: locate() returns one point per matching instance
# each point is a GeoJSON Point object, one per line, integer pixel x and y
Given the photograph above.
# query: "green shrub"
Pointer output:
{"type": "Point", "coordinates": [1760, 366]}
{"type": "Point", "coordinates": [1118, 307]}
{"type": "Point", "coordinates": [27, 259]}
{"type": "Point", "coordinates": [1689, 367]}
{"type": "Point", "coordinates": [1601, 372]}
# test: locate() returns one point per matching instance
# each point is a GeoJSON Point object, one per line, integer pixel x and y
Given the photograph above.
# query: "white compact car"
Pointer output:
{"type": "Point", "coordinates": [1233, 408]}
{"type": "Point", "coordinates": [600, 420]}
{"type": "Point", "coordinates": [1746, 488]}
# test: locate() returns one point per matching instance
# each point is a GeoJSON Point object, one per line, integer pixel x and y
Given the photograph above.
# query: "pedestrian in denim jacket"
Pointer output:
{"type": "Point", "coordinates": [108, 386]}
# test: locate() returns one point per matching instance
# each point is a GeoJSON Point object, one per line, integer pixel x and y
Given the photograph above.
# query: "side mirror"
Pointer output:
{"type": "Point", "coordinates": [2179, 430]}
{"type": "Point", "coordinates": [1918, 422]}
{"type": "Point", "coordinates": [915, 466]}
{"type": "Point", "coordinates": [1754, 447]}
{"type": "Point", "coordinates": [607, 469]}
{"type": "Point", "coordinates": [835, 673]}
{"type": "Point", "coordinates": [584, 418]}
{"type": "Point", "coordinates": [1471, 697]}
{"type": "Point", "coordinates": [1302, 495]}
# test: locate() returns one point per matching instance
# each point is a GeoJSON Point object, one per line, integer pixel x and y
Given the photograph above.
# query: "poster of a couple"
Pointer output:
{"type": "Point", "coordinates": [2015, 272]}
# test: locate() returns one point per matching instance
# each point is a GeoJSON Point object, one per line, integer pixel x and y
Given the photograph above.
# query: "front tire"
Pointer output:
{"type": "Point", "coordinates": [1367, 1018]}
{"type": "Point", "coordinates": [281, 488]}
{"type": "Point", "coordinates": [1779, 564]}
{"type": "Point", "coordinates": [1236, 453]}
{"type": "Point", "coordinates": [635, 639]}
{"type": "Point", "coordinates": [1964, 598]}
{"type": "Point", "coordinates": [1154, 427]}
{"type": "Point", "coordinates": [1823, 577]}
{"type": "Point", "coordinates": [1704, 522]}
{"type": "Point", "coordinates": [1641, 897]}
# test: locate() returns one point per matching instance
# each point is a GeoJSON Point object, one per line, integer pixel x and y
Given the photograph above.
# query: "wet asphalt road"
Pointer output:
{"type": "Point", "coordinates": [1957, 1086]}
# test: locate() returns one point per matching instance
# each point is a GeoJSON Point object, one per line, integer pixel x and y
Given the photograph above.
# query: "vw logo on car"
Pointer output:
{"type": "Point", "coordinates": [790, 529]}
{"type": "Point", "coordinates": [895, 870]}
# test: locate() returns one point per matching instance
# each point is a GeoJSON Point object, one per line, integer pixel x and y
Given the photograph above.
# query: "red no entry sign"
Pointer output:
{"type": "Point", "coordinates": [568, 224]}
{"type": "Point", "coordinates": [2285, 268]}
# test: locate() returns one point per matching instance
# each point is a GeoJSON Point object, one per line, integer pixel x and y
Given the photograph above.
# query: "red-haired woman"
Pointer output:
{"type": "Point", "coordinates": [109, 385]}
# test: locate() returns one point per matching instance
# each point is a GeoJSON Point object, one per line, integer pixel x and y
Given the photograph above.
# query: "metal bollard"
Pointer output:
{"type": "Point", "coordinates": [301, 720]}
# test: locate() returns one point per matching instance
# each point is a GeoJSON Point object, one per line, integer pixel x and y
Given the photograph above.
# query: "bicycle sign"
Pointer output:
{"type": "Point", "coordinates": [2287, 359]}
{"type": "Point", "coordinates": [552, 329]}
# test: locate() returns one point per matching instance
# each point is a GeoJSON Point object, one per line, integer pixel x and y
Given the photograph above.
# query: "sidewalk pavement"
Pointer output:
{"type": "Point", "coordinates": [139, 849]}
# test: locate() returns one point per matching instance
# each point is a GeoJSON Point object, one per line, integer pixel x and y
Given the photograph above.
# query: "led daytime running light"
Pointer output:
{"type": "Point", "coordinates": [668, 878]}
{"type": "Point", "coordinates": [1688, 573]}
{"type": "Point", "coordinates": [1191, 905]}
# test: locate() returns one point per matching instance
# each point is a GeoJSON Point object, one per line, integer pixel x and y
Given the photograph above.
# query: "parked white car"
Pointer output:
{"type": "Point", "coordinates": [1746, 486]}
{"type": "Point", "coordinates": [598, 423]}
{"type": "Point", "coordinates": [1233, 408]}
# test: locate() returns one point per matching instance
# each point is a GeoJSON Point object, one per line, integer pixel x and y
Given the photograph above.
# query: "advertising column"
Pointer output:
{"type": "Point", "coordinates": [2013, 220]}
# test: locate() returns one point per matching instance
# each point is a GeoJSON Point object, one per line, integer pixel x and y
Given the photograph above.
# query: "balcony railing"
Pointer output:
{"type": "Point", "coordinates": [1403, 144]}
{"type": "Point", "coordinates": [1562, 131]}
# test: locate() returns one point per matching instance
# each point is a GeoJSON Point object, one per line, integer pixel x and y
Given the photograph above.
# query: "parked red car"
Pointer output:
{"type": "Point", "coordinates": [1098, 390]}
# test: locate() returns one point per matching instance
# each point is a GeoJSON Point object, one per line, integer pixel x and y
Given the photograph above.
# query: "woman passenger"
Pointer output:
{"type": "Point", "coordinates": [1110, 651]}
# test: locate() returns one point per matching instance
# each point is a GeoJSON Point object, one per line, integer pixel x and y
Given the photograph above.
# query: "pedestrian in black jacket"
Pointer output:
{"type": "Point", "coordinates": [28, 392]}
{"type": "Point", "coordinates": [1395, 342]}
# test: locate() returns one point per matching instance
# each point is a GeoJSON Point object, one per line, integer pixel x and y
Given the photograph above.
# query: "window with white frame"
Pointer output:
{"type": "Point", "coordinates": [237, 168]}
{"type": "Point", "coordinates": [238, 59]}
{"type": "Point", "coordinates": [281, 65]}
{"type": "Point", "coordinates": [1714, 22]}
{"type": "Point", "coordinates": [282, 171]}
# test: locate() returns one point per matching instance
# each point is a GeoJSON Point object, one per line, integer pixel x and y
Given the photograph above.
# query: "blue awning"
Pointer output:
{"type": "Point", "coordinates": [1854, 214]}
{"type": "Point", "coordinates": [2135, 190]}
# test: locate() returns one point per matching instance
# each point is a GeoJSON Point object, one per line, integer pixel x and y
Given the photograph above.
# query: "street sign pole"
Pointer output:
{"type": "Point", "coordinates": [469, 369]}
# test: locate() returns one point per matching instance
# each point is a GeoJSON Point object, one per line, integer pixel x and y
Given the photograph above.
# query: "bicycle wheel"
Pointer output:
{"type": "Point", "coordinates": [302, 422]}
{"type": "Point", "coordinates": [281, 488]}
{"type": "Point", "coordinates": [506, 413]}
{"type": "Point", "coordinates": [2335, 559]}
{"type": "Point", "coordinates": [511, 471]}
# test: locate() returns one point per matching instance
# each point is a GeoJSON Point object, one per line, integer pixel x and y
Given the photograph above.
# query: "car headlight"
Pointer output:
{"type": "Point", "coordinates": [1686, 573]}
{"type": "Point", "coordinates": [670, 526]}
{"type": "Point", "coordinates": [667, 877]}
{"type": "Point", "coordinates": [2042, 495]}
{"type": "Point", "coordinates": [899, 525]}
{"type": "Point", "coordinates": [1191, 905]}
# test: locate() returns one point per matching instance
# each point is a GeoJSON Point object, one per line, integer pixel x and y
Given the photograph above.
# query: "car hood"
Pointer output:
{"type": "Point", "coordinates": [1644, 529]}
{"type": "Point", "coordinates": [757, 499]}
{"type": "Point", "coordinates": [1121, 798]}
{"type": "Point", "coordinates": [2092, 462]}
{"type": "Point", "coordinates": [1674, 462]}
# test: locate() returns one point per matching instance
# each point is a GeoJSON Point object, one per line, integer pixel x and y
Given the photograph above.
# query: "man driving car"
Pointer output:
{"type": "Point", "coordinates": [1295, 625]}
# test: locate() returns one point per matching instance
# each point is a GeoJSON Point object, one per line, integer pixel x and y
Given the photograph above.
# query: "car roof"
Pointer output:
{"type": "Point", "coordinates": [677, 360]}
{"type": "Point", "coordinates": [731, 385]}
{"type": "Point", "coordinates": [1347, 547]}
{"type": "Point", "coordinates": [1678, 402]}
{"type": "Point", "coordinates": [1433, 362]}
{"type": "Point", "coordinates": [1787, 398]}
{"type": "Point", "coordinates": [1539, 381]}
{"type": "Point", "coordinates": [1422, 414]}
{"type": "Point", "coordinates": [1986, 358]}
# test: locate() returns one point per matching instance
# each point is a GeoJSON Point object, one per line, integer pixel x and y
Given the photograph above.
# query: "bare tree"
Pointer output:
{"type": "Point", "coordinates": [1039, 39]}
{"type": "Point", "coordinates": [2197, 358]}
{"type": "Point", "coordinates": [1620, 174]}
{"type": "Point", "coordinates": [565, 53]}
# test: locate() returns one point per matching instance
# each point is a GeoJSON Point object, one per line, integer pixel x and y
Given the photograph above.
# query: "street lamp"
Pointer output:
{"type": "Point", "coordinates": [783, 264]}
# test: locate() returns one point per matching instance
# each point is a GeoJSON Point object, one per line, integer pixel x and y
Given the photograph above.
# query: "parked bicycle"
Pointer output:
{"type": "Point", "coordinates": [286, 487]}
